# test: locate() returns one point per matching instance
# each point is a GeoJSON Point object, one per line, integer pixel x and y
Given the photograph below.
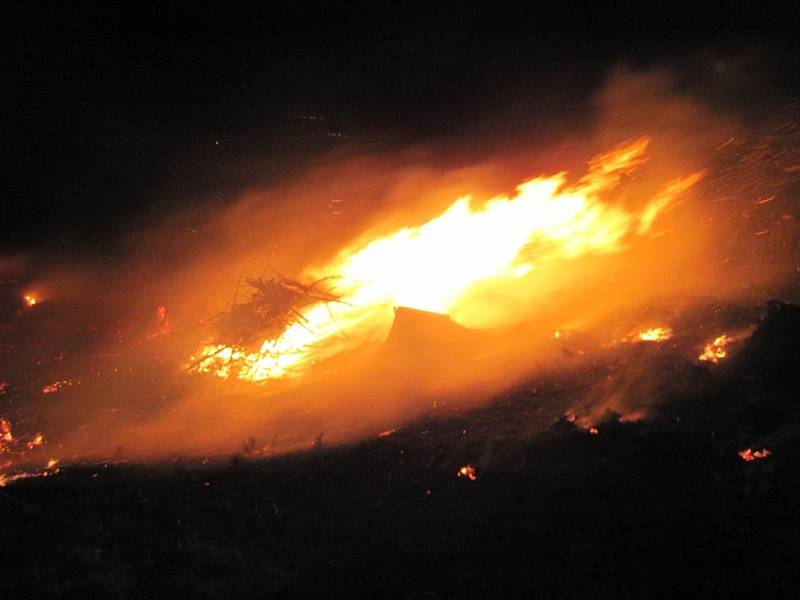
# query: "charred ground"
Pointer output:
{"type": "Point", "coordinates": [656, 508]}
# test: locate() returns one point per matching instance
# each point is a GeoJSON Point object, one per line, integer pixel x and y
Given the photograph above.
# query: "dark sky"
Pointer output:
{"type": "Point", "coordinates": [116, 114]}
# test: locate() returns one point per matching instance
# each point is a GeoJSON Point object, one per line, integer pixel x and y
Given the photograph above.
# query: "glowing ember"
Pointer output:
{"type": "Point", "coordinates": [5, 478]}
{"type": "Point", "coordinates": [655, 334]}
{"type": "Point", "coordinates": [434, 266]}
{"type": "Point", "coordinates": [570, 418]}
{"type": "Point", "coordinates": [716, 350]}
{"type": "Point", "coordinates": [594, 431]}
{"type": "Point", "coordinates": [6, 437]}
{"type": "Point", "coordinates": [386, 433]}
{"type": "Point", "coordinates": [468, 471]}
{"type": "Point", "coordinates": [51, 388]}
{"type": "Point", "coordinates": [749, 455]}
{"type": "Point", "coordinates": [30, 300]}
{"type": "Point", "coordinates": [36, 441]}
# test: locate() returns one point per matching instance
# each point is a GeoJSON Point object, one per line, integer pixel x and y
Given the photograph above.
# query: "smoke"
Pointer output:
{"type": "Point", "coordinates": [193, 263]}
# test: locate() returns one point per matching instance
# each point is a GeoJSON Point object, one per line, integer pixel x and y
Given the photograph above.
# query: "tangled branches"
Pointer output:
{"type": "Point", "coordinates": [274, 305]}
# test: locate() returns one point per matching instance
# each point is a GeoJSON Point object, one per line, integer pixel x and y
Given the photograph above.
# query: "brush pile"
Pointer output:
{"type": "Point", "coordinates": [274, 305]}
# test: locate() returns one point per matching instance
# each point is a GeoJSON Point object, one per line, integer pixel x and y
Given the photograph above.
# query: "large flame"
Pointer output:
{"type": "Point", "coordinates": [432, 266]}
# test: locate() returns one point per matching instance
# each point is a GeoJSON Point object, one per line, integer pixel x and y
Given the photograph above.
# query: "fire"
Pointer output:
{"type": "Point", "coordinates": [52, 388]}
{"type": "Point", "coordinates": [594, 431]}
{"type": "Point", "coordinates": [6, 437]}
{"type": "Point", "coordinates": [15, 448]}
{"type": "Point", "coordinates": [469, 472]}
{"type": "Point", "coordinates": [655, 334]}
{"type": "Point", "coordinates": [30, 300]}
{"type": "Point", "coordinates": [36, 441]}
{"type": "Point", "coordinates": [749, 455]}
{"type": "Point", "coordinates": [716, 350]}
{"type": "Point", "coordinates": [433, 266]}
{"type": "Point", "coordinates": [49, 470]}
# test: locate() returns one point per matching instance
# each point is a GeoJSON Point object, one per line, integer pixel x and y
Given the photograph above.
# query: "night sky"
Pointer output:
{"type": "Point", "coordinates": [114, 116]}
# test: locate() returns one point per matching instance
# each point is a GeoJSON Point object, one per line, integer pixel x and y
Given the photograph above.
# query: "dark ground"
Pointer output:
{"type": "Point", "coordinates": [660, 508]}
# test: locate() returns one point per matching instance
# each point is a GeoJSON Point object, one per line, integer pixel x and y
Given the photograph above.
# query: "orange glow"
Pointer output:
{"type": "Point", "coordinates": [749, 455]}
{"type": "Point", "coordinates": [51, 388]}
{"type": "Point", "coordinates": [655, 334]}
{"type": "Point", "coordinates": [594, 431]}
{"type": "Point", "coordinates": [716, 350]}
{"type": "Point", "coordinates": [51, 469]}
{"type": "Point", "coordinates": [468, 471]}
{"type": "Point", "coordinates": [36, 441]}
{"type": "Point", "coordinates": [162, 324]}
{"type": "Point", "coordinates": [30, 300]}
{"type": "Point", "coordinates": [6, 437]}
{"type": "Point", "coordinates": [434, 266]}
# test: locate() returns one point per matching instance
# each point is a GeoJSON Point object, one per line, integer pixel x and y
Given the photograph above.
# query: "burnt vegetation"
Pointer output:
{"type": "Point", "coordinates": [272, 306]}
{"type": "Point", "coordinates": [654, 508]}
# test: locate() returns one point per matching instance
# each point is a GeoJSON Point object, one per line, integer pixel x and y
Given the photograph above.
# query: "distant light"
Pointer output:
{"type": "Point", "coordinates": [30, 300]}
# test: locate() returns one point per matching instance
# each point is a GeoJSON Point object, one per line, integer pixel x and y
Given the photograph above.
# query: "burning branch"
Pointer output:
{"type": "Point", "coordinates": [274, 306]}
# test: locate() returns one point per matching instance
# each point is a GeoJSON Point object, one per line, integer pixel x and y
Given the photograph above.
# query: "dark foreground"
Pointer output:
{"type": "Point", "coordinates": [658, 508]}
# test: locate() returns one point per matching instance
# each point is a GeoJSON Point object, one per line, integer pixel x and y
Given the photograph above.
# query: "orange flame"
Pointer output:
{"type": "Point", "coordinates": [655, 334]}
{"type": "Point", "coordinates": [52, 388]}
{"type": "Point", "coordinates": [36, 441]}
{"type": "Point", "coordinates": [469, 472]}
{"type": "Point", "coordinates": [433, 266]}
{"type": "Point", "coordinates": [749, 455]}
{"type": "Point", "coordinates": [716, 350]}
{"type": "Point", "coordinates": [6, 437]}
{"type": "Point", "coordinates": [30, 300]}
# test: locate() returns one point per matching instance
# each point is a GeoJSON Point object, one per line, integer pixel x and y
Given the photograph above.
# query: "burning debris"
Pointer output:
{"type": "Point", "coordinates": [257, 342]}
{"type": "Point", "coordinates": [286, 326]}
{"type": "Point", "coordinates": [51, 469]}
{"type": "Point", "coordinates": [715, 350]}
{"type": "Point", "coordinates": [749, 455]}
{"type": "Point", "coordinates": [469, 472]}
{"type": "Point", "coordinates": [52, 388]}
{"type": "Point", "coordinates": [36, 441]}
{"type": "Point", "coordinates": [30, 300]}
{"type": "Point", "coordinates": [6, 437]}
{"type": "Point", "coordinates": [655, 334]}
{"type": "Point", "coordinates": [275, 305]}
{"type": "Point", "coordinates": [14, 448]}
